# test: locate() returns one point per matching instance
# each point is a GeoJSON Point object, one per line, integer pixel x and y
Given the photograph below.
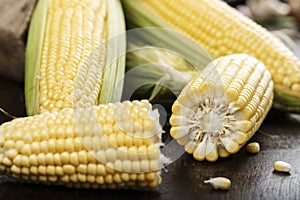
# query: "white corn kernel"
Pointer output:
{"type": "Point", "coordinates": [282, 166]}
{"type": "Point", "coordinates": [219, 183]}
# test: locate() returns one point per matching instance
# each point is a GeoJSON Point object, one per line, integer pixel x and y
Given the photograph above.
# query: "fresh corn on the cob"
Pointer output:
{"type": "Point", "coordinates": [107, 146]}
{"type": "Point", "coordinates": [220, 110]}
{"type": "Point", "coordinates": [221, 30]}
{"type": "Point", "coordinates": [69, 59]}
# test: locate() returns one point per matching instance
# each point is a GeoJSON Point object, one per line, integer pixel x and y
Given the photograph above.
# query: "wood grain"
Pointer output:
{"type": "Point", "coordinates": [14, 21]}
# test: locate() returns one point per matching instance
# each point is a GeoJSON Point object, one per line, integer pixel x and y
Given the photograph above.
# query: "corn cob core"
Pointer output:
{"type": "Point", "coordinates": [222, 30]}
{"type": "Point", "coordinates": [220, 110]}
{"type": "Point", "coordinates": [73, 54]}
{"type": "Point", "coordinates": [90, 148]}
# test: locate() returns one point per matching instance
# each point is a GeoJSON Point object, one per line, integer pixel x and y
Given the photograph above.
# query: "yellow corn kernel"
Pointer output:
{"type": "Point", "coordinates": [253, 147]}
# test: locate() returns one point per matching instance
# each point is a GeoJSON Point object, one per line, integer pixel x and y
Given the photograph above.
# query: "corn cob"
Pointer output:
{"type": "Point", "coordinates": [67, 54]}
{"type": "Point", "coordinates": [218, 111]}
{"type": "Point", "coordinates": [95, 147]}
{"type": "Point", "coordinates": [221, 30]}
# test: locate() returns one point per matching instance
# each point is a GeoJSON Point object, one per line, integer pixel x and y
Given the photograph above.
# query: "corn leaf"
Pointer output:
{"type": "Point", "coordinates": [33, 56]}
{"type": "Point", "coordinates": [112, 87]}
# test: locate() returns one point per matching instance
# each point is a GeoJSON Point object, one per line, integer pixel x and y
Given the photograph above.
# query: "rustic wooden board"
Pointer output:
{"type": "Point", "coordinates": [11, 98]}
{"type": "Point", "coordinates": [252, 175]}
{"type": "Point", "coordinates": [15, 16]}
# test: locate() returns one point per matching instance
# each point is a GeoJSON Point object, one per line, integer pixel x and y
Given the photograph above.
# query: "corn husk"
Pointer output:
{"type": "Point", "coordinates": [112, 87]}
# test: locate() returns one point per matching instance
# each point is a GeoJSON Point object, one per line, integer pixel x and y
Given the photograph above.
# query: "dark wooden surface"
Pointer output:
{"type": "Point", "coordinates": [252, 176]}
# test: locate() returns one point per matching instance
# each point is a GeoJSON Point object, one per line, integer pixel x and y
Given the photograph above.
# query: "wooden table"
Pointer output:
{"type": "Point", "coordinates": [252, 176]}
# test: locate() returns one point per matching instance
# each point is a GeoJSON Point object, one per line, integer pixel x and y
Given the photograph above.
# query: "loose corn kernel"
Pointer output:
{"type": "Point", "coordinates": [253, 147]}
{"type": "Point", "coordinates": [219, 183]}
{"type": "Point", "coordinates": [282, 166]}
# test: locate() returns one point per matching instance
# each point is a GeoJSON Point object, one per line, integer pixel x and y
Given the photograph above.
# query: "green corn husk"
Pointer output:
{"type": "Point", "coordinates": [33, 56]}
{"type": "Point", "coordinates": [112, 86]}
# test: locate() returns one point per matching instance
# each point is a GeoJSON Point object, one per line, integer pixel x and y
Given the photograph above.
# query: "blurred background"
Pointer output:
{"type": "Point", "coordinates": [268, 11]}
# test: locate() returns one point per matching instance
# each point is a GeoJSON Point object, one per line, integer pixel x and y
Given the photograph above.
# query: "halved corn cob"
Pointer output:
{"type": "Point", "coordinates": [69, 59]}
{"type": "Point", "coordinates": [221, 109]}
{"type": "Point", "coordinates": [221, 30]}
{"type": "Point", "coordinates": [107, 146]}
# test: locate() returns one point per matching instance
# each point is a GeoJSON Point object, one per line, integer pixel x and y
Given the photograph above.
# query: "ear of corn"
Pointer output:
{"type": "Point", "coordinates": [221, 30]}
{"type": "Point", "coordinates": [68, 52]}
{"type": "Point", "coordinates": [218, 111]}
{"type": "Point", "coordinates": [107, 146]}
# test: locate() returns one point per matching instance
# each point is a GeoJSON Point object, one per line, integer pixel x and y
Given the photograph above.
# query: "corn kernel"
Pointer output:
{"type": "Point", "coordinates": [219, 183]}
{"type": "Point", "coordinates": [282, 166]}
{"type": "Point", "coordinates": [253, 147]}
